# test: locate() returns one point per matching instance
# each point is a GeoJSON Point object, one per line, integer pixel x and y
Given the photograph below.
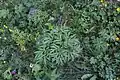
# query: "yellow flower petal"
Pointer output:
{"type": "Point", "coordinates": [117, 39]}
{"type": "Point", "coordinates": [10, 30]}
{"type": "Point", "coordinates": [118, 9]}
{"type": "Point", "coordinates": [5, 26]}
{"type": "Point", "coordinates": [102, 1]}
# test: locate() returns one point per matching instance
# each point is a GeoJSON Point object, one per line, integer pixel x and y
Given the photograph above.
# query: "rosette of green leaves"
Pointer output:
{"type": "Point", "coordinates": [57, 46]}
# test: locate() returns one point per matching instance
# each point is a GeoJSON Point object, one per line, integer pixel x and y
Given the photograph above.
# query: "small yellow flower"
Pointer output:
{"type": "Point", "coordinates": [117, 39]}
{"type": "Point", "coordinates": [10, 30]}
{"type": "Point", "coordinates": [118, 9]}
{"type": "Point", "coordinates": [5, 26]}
{"type": "Point", "coordinates": [102, 1]}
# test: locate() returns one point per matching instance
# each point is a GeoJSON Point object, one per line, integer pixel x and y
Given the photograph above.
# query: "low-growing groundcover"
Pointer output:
{"type": "Point", "coordinates": [40, 39]}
